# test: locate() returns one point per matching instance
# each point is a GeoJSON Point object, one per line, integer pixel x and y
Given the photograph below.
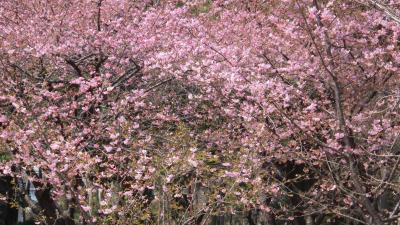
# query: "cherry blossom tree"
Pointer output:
{"type": "Point", "coordinates": [154, 112]}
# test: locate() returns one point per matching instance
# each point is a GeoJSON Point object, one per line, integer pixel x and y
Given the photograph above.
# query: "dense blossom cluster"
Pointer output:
{"type": "Point", "coordinates": [123, 110]}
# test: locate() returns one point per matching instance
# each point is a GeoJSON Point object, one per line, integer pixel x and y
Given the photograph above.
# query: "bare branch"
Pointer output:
{"type": "Point", "coordinates": [389, 12]}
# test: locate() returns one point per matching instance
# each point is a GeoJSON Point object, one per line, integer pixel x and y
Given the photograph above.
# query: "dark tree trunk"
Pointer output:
{"type": "Point", "coordinates": [8, 214]}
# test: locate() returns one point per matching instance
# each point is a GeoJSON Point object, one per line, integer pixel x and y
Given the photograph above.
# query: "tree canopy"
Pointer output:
{"type": "Point", "coordinates": [141, 112]}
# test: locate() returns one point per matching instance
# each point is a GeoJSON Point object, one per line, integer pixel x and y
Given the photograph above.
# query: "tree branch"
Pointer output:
{"type": "Point", "coordinates": [389, 12]}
